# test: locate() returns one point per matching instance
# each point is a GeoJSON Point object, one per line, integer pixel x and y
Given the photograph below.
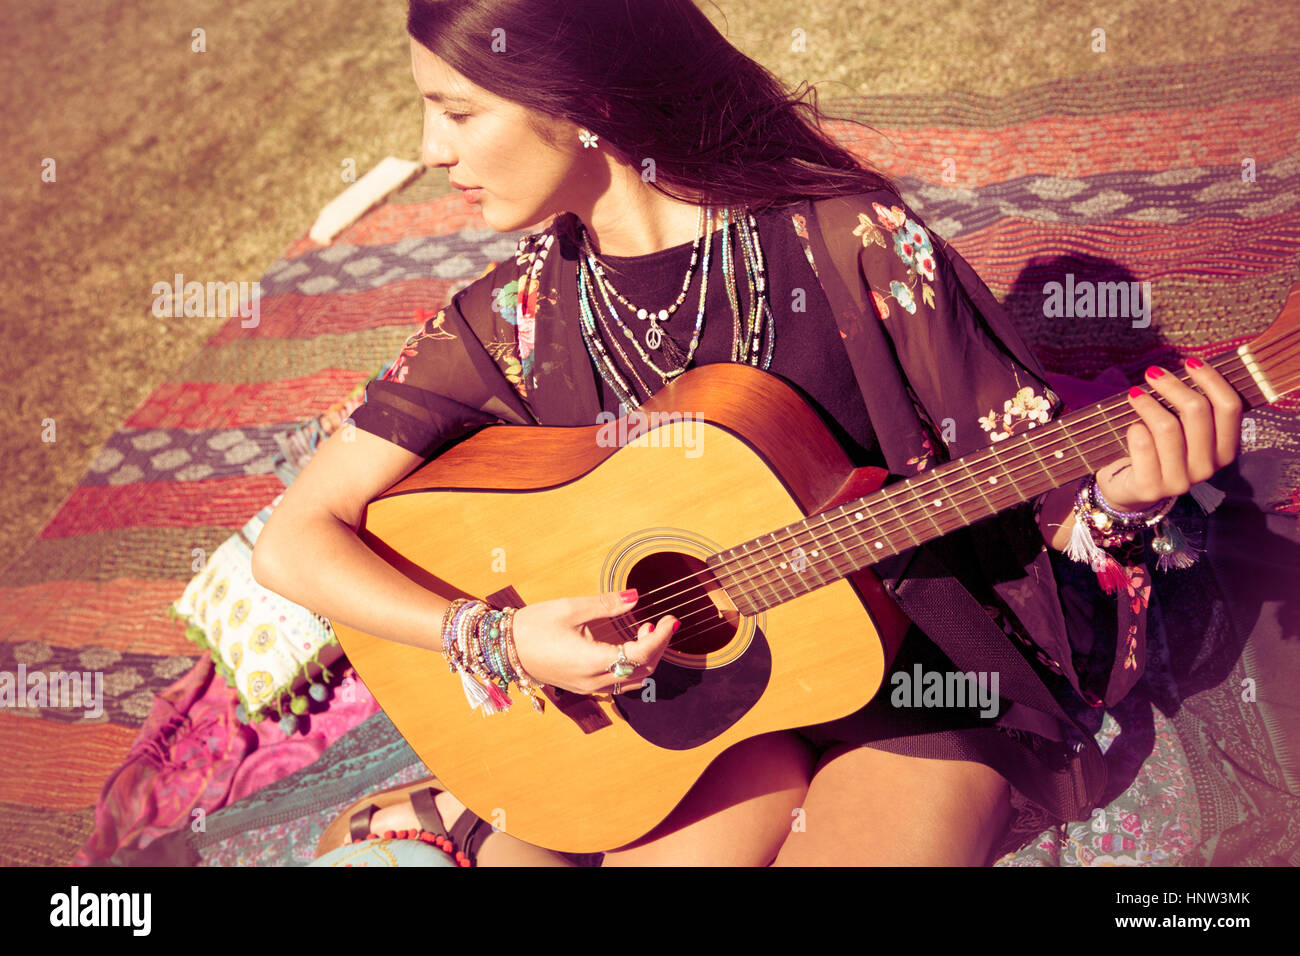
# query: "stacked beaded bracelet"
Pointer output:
{"type": "Point", "coordinates": [1108, 525]}
{"type": "Point", "coordinates": [1099, 525]}
{"type": "Point", "coordinates": [478, 641]}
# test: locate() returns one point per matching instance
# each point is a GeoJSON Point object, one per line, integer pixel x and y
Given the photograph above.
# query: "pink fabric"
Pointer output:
{"type": "Point", "coordinates": [192, 754]}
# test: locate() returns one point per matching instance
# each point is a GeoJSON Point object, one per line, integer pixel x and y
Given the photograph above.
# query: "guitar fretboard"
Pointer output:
{"type": "Point", "coordinates": [801, 557]}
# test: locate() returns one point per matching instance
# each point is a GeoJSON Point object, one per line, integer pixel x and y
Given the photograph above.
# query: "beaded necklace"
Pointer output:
{"type": "Point", "coordinates": [654, 334]}
{"type": "Point", "coordinates": [744, 340]}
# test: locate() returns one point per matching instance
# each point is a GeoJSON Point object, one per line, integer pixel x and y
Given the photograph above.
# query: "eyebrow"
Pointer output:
{"type": "Point", "coordinates": [439, 98]}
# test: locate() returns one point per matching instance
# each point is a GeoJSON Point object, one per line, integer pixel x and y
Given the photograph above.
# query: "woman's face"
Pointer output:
{"type": "Point", "coordinates": [486, 142]}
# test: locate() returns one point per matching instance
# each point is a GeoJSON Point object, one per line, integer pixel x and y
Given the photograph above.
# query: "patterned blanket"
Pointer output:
{"type": "Point", "coordinates": [1184, 177]}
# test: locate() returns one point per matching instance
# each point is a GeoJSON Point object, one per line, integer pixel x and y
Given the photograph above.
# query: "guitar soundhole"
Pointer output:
{"type": "Point", "coordinates": [669, 582]}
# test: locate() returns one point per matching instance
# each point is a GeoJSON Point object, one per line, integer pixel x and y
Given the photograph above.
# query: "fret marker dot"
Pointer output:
{"type": "Point", "coordinates": [879, 545]}
{"type": "Point", "coordinates": [938, 502]}
{"type": "Point", "coordinates": [857, 516]}
{"type": "Point", "coordinates": [782, 564]}
{"type": "Point", "coordinates": [814, 554]}
{"type": "Point", "coordinates": [1060, 454]}
{"type": "Point", "coordinates": [993, 481]}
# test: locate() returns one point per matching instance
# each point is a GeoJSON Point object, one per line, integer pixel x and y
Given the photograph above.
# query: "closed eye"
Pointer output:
{"type": "Point", "coordinates": [456, 117]}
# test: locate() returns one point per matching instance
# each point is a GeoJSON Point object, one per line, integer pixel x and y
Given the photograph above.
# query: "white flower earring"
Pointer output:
{"type": "Point", "coordinates": [588, 138]}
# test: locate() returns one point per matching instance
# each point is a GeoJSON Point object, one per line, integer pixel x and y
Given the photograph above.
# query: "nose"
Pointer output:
{"type": "Point", "coordinates": [434, 150]}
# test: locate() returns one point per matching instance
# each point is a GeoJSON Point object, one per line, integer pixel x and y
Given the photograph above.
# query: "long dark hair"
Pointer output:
{"type": "Point", "coordinates": [655, 80]}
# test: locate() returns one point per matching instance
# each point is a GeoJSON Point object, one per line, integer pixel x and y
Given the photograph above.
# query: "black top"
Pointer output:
{"type": "Point", "coordinates": [808, 353]}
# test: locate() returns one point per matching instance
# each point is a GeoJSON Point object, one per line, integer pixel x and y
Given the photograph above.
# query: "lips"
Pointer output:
{"type": "Point", "coordinates": [459, 186]}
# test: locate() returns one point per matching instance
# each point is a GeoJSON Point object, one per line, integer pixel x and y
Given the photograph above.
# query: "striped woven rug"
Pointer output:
{"type": "Point", "coordinates": [1184, 176]}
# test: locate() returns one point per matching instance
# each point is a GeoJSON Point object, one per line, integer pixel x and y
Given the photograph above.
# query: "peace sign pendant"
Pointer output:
{"type": "Point", "coordinates": [654, 335]}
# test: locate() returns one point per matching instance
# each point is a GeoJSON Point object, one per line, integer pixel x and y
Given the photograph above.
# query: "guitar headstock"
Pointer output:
{"type": "Point", "coordinates": [1273, 356]}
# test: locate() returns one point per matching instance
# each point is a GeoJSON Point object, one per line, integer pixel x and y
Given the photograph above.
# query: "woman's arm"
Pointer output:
{"type": "Point", "coordinates": [1056, 517]}
{"type": "Point", "coordinates": [309, 551]}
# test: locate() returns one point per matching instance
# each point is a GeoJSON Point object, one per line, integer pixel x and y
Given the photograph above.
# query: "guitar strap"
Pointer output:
{"type": "Point", "coordinates": [938, 604]}
{"type": "Point", "coordinates": [1074, 773]}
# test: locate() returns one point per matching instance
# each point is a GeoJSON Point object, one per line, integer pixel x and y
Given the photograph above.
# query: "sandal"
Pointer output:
{"type": "Point", "coordinates": [461, 844]}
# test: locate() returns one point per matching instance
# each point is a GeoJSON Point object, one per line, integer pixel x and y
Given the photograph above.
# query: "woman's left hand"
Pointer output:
{"type": "Point", "coordinates": [1169, 453]}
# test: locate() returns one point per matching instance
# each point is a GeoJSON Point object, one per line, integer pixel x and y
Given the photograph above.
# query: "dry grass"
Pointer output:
{"type": "Point", "coordinates": [208, 164]}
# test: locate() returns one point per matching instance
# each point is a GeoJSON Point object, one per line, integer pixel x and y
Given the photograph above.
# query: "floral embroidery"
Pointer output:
{"type": "Point", "coordinates": [505, 302]}
{"type": "Point", "coordinates": [518, 303]}
{"type": "Point", "coordinates": [882, 306]}
{"type": "Point", "coordinates": [801, 230]}
{"type": "Point", "coordinates": [504, 355]}
{"type": "Point", "coordinates": [800, 225]}
{"type": "Point", "coordinates": [920, 461]}
{"type": "Point", "coordinates": [1138, 585]}
{"type": "Point", "coordinates": [868, 231]}
{"type": "Point", "coordinates": [912, 245]}
{"type": "Point", "coordinates": [1139, 593]}
{"type": "Point", "coordinates": [1130, 661]}
{"type": "Point", "coordinates": [891, 218]}
{"type": "Point", "coordinates": [430, 328]}
{"type": "Point", "coordinates": [904, 296]}
{"type": "Point", "coordinates": [1026, 408]}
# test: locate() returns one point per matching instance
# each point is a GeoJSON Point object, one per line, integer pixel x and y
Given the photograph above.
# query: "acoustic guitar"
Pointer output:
{"type": "Point", "coordinates": [726, 502]}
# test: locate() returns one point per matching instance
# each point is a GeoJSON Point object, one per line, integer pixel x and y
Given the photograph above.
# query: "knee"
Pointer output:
{"type": "Point", "coordinates": [872, 807]}
{"type": "Point", "coordinates": [776, 761]}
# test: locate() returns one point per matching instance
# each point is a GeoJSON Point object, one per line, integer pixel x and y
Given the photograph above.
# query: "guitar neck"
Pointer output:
{"type": "Point", "coordinates": [801, 557]}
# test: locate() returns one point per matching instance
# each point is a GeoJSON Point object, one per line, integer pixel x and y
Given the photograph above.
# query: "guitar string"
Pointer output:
{"type": "Point", "coordinates": [698, 632]}
{"type": "Point", "coordinates": [764, 556]}
{"type": "Point", "coordinates": [886, 492]}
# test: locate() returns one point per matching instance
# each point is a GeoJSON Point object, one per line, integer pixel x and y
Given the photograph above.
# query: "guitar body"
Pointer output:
{"type": "Point", "coordinates": [519, 514]}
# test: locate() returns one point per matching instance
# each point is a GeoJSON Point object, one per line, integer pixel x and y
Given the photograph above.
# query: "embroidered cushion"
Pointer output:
{"type": "Point", "coordinates": [268, 649]}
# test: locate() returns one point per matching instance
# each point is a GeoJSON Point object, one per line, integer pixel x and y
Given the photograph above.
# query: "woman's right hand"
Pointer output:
{"type": "Point", "coordinates": [556, 648]}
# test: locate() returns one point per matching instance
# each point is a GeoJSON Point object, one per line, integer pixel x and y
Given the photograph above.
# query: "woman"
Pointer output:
{"type": "Point", "coordinates": [617, 134]}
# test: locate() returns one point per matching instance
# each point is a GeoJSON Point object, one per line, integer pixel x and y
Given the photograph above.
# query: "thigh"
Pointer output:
{"type": "Point", "coordinates": [869, 807]}
{"type": "Point", "coordinates": [737, 814]}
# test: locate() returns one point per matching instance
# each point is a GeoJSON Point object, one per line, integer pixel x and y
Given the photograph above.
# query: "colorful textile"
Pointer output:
{"type": "Point", "coordinates": [193, 757]}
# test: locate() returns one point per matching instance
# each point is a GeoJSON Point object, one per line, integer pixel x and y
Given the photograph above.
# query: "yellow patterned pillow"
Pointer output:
{"type": "Point", "coordinates": [274, 653]}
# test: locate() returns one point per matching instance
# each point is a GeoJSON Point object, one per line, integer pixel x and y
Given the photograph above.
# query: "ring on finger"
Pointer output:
{"type": "Point", "coordinates": [622, 667]}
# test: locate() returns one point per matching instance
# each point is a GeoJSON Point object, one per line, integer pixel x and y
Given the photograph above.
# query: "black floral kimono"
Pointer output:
{"type": "Point", "coordinates": [931, 368]}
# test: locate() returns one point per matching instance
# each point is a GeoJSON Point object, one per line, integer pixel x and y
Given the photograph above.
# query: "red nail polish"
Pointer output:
{"type": "Point", "coordinates": [628, 596]}
{"type": "Point", "coordinates": [1135, 392]}
{"type": "Point", "coordinates": [1194, 362]}
{"type": "Point", "coordinates": [676, 625]}
{"type": "Point", "coordinates": [1154, 372]}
